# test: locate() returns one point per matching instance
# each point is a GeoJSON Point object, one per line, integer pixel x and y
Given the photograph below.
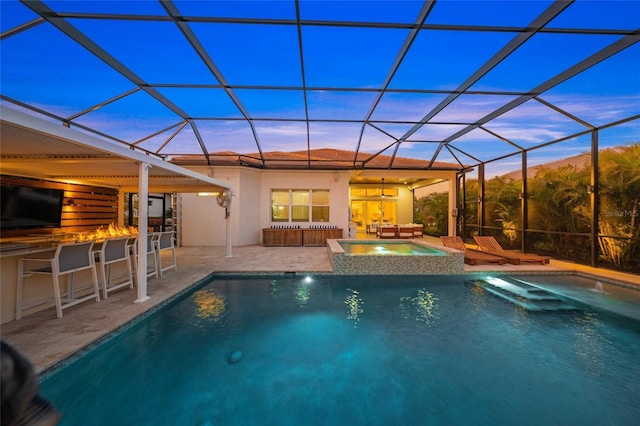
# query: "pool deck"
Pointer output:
{"type": "Point", "coordinates": [46, 340]}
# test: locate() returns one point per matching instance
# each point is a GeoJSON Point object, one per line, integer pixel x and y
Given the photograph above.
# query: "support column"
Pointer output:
{"type": "Point", "coordinates": [227, 218]}
{"type": "Point", "coordinates": [143, 213]}
{"type": "Point", "coordinates": [524, 213]}
{"type": "Point", "coordinates": [453, 207]}
{"type": "Point", "coordinates": [481, 199]}
{"type": "Point", "coordinates": [595, 199]}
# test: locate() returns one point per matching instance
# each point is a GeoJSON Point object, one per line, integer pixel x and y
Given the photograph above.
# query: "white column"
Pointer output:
{"type": "Point", "coordinates": [143, 212]}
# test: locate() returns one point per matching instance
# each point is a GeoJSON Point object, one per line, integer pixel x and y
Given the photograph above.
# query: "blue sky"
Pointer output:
{"type": "Point", "coordinates": [345, 67]}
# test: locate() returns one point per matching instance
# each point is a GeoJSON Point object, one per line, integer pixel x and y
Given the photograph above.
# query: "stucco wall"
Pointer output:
{"type": "Point", "coordinates": [203, 222]}
{"type": "Point", "coordinates": [337, 183]}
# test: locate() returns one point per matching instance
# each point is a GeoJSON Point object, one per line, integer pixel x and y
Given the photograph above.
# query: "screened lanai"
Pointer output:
{"type": "Point", "coordinates": [521, 99]}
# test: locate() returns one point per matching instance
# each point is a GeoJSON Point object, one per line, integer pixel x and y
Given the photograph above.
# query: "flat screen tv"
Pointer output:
{"type": "Point", "coordinates": [30, 207]}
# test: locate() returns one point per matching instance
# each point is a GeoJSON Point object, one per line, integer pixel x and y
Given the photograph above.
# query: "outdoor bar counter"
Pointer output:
{"type": "Point", "coordinates": [37, 286]}
{"type": "Point", "coordinates": [297, 237]}
{"type": "Point", "coordinates": [10, 254]}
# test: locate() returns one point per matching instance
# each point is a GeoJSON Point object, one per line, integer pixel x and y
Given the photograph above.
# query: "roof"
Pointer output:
{"type": "Point", "coordinates": [286, 84]}
{"type": "Point", "coordinates": [38, 149]}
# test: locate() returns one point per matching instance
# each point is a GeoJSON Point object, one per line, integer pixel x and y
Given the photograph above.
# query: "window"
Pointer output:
{"type": "Point", "coordinates": [280, 205]}
{"type": "Point", "coordinates": [320, 206]}
{"type": "Point", "coordinates": [299, 205]}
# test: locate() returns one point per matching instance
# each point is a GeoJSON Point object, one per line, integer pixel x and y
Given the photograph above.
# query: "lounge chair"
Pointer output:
{"type": "Point", "coordinates": [471, 257]}
{"type": "Point", "coordinates": [492, 246]}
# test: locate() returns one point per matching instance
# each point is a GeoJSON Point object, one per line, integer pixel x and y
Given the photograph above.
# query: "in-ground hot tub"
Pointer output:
{"type": "Point", "coordinates": [393, 257]}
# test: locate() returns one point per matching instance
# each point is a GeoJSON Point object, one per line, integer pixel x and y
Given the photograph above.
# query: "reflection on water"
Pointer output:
{"type": "Point", "coordinates": [354, 306]}
{"type": "Point", "coordinates": [590, 342]}
{"type": "Point", "coordinates": [209, 304]}
{"type": "Point", "coordinates": [424, 304]}
{"type": "Point", "coordinates": [274, 289]}
{"type": "Point", "coordinates": [303, 293]}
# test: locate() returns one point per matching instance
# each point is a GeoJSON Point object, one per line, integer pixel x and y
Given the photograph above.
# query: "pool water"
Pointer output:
{"type": "Point", "coordinates": [385, 249]}
{"type": "Point", "coordinates": [329, 350]}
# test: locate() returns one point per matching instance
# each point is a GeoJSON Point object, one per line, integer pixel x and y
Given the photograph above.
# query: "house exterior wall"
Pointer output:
{"type": "Point", "coordinates": [404, 208]}
{"type": "Point", "coordinates": [203, 222]}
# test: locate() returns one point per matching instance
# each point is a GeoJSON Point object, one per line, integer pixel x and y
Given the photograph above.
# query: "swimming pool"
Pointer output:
{"type": "Point", "coordinates": [400, 257]}
{"type": "Point", "coordinates": [369, 350]}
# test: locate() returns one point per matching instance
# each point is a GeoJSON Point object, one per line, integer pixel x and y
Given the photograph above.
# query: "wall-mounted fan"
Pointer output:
{"type": "Point", "coordinates": [224, 200]}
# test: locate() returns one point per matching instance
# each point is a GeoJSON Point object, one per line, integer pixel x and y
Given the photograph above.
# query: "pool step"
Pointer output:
{"type": "Point", "coordinates": [523, 294]}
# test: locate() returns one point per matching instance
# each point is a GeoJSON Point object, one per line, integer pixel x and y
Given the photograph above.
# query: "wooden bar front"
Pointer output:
{"type": "Point", "coordinates": [277, 237]}
{"type": "Point", "coordinates": [297, 237]}
{"type": "Point", "coordinates": [319, 237]}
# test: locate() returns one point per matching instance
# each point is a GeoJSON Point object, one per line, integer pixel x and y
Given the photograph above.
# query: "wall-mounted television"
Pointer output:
{"type": "Point", "coordinates": [30, 207]}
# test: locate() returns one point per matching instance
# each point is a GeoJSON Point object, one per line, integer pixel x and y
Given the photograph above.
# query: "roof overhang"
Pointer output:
{"type": "Point", "coordinates": [33, 147]}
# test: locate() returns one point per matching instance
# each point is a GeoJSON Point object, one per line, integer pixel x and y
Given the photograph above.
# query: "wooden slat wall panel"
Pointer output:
{"type": "Point", "coordinates": [85, 208]}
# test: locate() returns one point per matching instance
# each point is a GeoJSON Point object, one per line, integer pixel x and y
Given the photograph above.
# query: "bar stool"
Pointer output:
{"type": "Point", "coordinates": [68, 259]}
{"type": "Point", "coordinates": [114, 250]}
{"type": "Point", "coordinates": [152, 269]}
{"type": "Point", "coordinates": [163, 242]}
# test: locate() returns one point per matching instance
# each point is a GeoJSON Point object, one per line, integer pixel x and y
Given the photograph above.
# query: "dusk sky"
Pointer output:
{"type": "Point", "coordinates": [334, 74]}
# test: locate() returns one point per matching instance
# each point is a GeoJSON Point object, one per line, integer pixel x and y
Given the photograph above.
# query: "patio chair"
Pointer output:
{"type": "Point", "coordinates": [164, 242]}
{"type": "Point", "coordinates": [387, 231]}
{"type": "Point", "coordinates": [471, 257]}
{"type": "Point", "coordinates": [492, 246]}
{"type": "Point", "coordinates": [418, 231]}
{"type": "Point", "coordinates": [112, 251]}
{"type": "Point", "coordinates": [68, 259]}
{"type": "Point", "coordinates": [405, 231]}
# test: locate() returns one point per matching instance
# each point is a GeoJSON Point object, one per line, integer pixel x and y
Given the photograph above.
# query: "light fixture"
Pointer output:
{"type": "Point", "coordinates": [382, 188]}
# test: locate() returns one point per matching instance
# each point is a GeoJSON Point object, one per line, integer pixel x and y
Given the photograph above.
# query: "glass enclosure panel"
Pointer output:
{"type": "Point", "coordinates": [358, 192]}
{"type": "Point", "coordinates": [502, 203]}
{"type": "Point", "coordinates": [559, 205]}
{"type": "Point", "coordinates": [432, 211]}
{"type": "Point", "coordinates": [576, 247]}
{"type": "Point", "coordinates": [619, 214]}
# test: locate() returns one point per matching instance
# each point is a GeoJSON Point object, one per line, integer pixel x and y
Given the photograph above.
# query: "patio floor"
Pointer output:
{"type": "Point", "coordinates": [46, 340]}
